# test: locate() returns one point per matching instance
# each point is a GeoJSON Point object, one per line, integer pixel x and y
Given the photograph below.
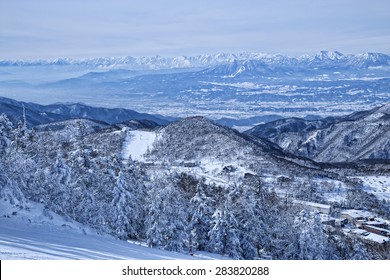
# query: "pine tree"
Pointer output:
{"type": "Point", "coordinates": [6, 136]}
{"type": "Point", "coordinates": [224, 235]}
{"type": "Point", "coordinates": [127, 205]}
{"type": "Point", "coordinates": [313, 243]}
{"type": "Point", "coordinates": [57, 183]}
{"type": "Point", "coordinates": [249, 222]}
{"type": "Point", "coordinates": [167, 218]}
{"type": "Point", "coordinates": [201, 209]}
{"type": "Point", "coordinates": [136, 204]}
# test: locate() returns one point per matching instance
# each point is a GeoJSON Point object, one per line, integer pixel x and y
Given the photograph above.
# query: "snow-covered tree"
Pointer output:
{"type": "Point", "coordinates": [167, 218]}
{"type": "Point", "coordinates": [6, 136]}
{"type": "Point", "coordinates": [313, 243]}
{"type": "Point", "coordinates": [201, 209]}
{"type": "Point", "coordinates": [225, 235]}
{"type": "Point", "coordinates": [249, 222]}
{"type": "Point", "coordinates": [57, 182]}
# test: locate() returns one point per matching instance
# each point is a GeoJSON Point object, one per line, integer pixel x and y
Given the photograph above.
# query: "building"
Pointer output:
{"type": "Point", "coordinates": [352, 215]}
{"type": "Point", "coordinates": [377, 230]}
{"type": "Point", "coordinates": [370, 237]}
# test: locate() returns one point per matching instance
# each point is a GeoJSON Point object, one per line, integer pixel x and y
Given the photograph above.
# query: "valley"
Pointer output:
{"type": "Point", "coordinates": [247, 156]}
{"type": "Point", "coordinates": [240, 90]}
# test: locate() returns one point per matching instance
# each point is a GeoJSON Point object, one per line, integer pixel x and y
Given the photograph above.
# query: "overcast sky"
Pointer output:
{"type": "Point", "coordinates": [31, 29]}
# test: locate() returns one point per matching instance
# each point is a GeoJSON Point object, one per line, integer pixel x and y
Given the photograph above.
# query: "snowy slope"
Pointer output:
{"type": "Point", "coordinates": [358, 136]}
{"type": "Point", "coordinates": [377, 185]}
{"type": "Point", "coordinates": [137, 143]}
{"type": "Point", "coordinates": [36, 233]}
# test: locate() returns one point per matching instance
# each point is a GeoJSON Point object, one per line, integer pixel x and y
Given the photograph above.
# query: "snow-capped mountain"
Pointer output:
{"type": "Point", "coordinates": [369, 60]}
{"type": "Point", "coordinates": [321, 59]}
{"type": "Point", "coordinates": [189, 186]}
{"type": "Point", "coordinates": [324, 59]}
{"type": "Point", "coordinates": [239, 68]}
{"type": "Point", "coordinates": [359, 136]}
{"type": "Point", "coordinates": [223, 86]}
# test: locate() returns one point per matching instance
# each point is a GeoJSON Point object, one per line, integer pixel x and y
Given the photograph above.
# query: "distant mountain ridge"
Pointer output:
{"type": "Point", "coordinates": [322, 59]}
{"type": "Point", "coordinates": [42, 114]}
{"type": "Point", "coordinates": [362, 135]}
{"type": "Point", "coordinates": [229, 86]}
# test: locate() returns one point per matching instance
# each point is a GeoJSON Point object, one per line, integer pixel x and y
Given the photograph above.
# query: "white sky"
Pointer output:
{"type": "Point", "coordinates": [31, 29]}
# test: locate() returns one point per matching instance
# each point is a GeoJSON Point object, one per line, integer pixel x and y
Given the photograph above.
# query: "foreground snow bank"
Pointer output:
{"type": "Point", "coordinates": [32, 232]}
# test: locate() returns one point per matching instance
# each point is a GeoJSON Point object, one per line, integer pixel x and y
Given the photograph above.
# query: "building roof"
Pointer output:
{"type": "Point", "coordinates": [357, 213]}
{"type": "Point", "coordinates": [380, 229]}
{"type": "Point", "coordinates": [375, 223]}
{"type": "Point", "coordinates": [370, 236]}
{"type": "Point", "coordinates": [376, 238]}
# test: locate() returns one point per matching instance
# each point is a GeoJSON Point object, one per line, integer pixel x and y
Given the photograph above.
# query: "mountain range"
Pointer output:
{"type": "Point", "coordinates": [321, 59]}
{"type": "Point", "coordinates": [224, 153]}
{"type": "Point", "coordinates": [240, 89]}
{"type": "Point", "coordinates": [193, 184]}
{"type": "Point", "coordinates": [37, 114]}
{"type": "Point", "coordinates": [359, 136]}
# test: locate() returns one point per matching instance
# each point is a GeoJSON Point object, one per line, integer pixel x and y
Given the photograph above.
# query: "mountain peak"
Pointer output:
{"type": "Point", "coordinates": [329, 55]}
{"type": "Point", "coordinates": [370, 59]}
{"type": "Point", "coordinates": [374, 57]}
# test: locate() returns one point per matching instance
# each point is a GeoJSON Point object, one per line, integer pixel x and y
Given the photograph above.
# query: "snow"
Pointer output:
{"type": "Point", "coordinates": [312, 204]}
{"type": "Point", "coordinates": [374, 117]}
{"type": "Point", "coordinates": [244, 85]}
{"type": "Point", "coordinates": [137, 144]}
{"type": "Point", "coordinates": [212, 171]}
{"type": "Point", "coordinates": [369, 235]}
{"type": "Point", "coordinates": [242, 128]}
{"type": "Point", "coordinates": [239, 71]}
{"type": "Point", "coordinates": [312, 137]}
{"type": "Point", "coordinates": [377, 185]}
{"type": "Point", "coordinates": [356, 214]}
{"type": "Point", "coordinates": [376, 238]}
{"type": "Point", "coordinates": [32, 233]}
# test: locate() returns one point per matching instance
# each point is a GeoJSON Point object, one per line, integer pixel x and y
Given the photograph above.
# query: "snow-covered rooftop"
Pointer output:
{"type": "Point", "coordinates": [357, 213]}
{"type": "Point", "coordinates": [376, 238]}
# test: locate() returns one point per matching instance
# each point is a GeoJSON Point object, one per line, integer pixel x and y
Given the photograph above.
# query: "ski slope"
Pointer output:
{"type": "Point", "coordinates": [137, 144]}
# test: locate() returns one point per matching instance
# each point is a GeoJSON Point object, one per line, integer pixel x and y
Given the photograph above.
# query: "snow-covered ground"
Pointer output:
{"type": "Point", "coordinates": [36, 233]}
{"type": "Point", "coordinates": [377, 185]}
{"type": "Point", "coordinates": [137, 144]}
